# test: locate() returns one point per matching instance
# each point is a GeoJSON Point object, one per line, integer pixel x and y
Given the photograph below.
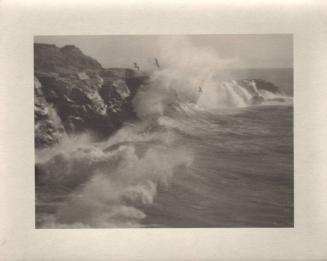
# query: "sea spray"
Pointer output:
{"type": "Point", "coordinates": [183, 72]}
{"type": "Point", "coordinates": [186, 78]}
{"type": "Point", "coordinates": [105, 187]}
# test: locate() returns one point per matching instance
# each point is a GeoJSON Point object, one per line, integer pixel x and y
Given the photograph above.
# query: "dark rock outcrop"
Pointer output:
{"type": "Point", "coordinates": [48, 125]}
{"type": "Point", "coordinates": [73, 93]}
{"type": "Point", "coordinates": [50, 58]}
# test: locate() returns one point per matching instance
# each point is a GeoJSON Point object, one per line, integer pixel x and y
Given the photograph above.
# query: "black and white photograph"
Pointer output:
{"type": "Point", "coordinates": [164, 131]}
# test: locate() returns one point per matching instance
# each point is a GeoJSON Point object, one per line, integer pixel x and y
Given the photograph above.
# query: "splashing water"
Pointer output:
{"type": "Point", "coordinates": [106, 183]}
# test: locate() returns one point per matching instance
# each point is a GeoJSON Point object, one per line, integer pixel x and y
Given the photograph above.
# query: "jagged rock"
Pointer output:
{"type": "Point", "coordinates": [80, 93]}
{"type": "Point", "coordinates": [48, 125]}
{"type": "Point", "coordinates": [78, 101]}
{"type": "Point", "coordinates": [133, 79]}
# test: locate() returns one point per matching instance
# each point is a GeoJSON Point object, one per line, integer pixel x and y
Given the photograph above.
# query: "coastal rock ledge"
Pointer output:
{"type": "Point", "coordinates": [73, 93]}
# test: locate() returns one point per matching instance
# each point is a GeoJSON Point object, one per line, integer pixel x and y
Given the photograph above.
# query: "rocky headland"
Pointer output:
{"type": "Point", "coordinates": [74, 93]}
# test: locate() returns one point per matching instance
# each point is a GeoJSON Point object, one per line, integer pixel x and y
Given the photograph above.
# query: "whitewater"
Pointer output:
{"type": "Point", "coordinates": [204, 152]}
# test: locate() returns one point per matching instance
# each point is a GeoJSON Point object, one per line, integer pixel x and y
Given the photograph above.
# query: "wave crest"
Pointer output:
{"type": "Point", "coordinates": [107, 186]}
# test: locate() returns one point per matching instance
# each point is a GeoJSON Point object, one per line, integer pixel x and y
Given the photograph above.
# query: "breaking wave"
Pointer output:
{"type": "Point", "coordinates": [104, 183]}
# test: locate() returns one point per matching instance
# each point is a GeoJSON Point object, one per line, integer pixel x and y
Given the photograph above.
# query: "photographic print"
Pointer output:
{"type": "Point", "coordinates": [164, 131]}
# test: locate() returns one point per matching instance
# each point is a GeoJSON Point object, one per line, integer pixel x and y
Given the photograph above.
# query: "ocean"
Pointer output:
{"type": "Point", "coordinates": [200, 155]}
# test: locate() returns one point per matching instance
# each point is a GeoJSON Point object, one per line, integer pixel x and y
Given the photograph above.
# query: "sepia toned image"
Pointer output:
{"type": "Point", "coordinates": [164, 131]}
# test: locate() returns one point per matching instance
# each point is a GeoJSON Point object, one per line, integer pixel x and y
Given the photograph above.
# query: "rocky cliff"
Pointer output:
{"type": "Point", "coordinates": [73, 93]}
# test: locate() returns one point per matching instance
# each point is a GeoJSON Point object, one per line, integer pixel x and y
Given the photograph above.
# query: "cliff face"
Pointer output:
{"type": "Point", "coordinates": [73, 93]}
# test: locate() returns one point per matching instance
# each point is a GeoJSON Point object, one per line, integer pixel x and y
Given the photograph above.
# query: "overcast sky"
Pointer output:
{"type": "Point", "coordinates": [250, 51]}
